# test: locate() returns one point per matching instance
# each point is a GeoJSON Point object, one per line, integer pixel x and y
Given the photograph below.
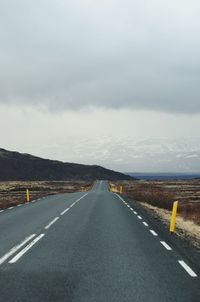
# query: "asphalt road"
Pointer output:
{"type": "Point", "coordinates": [89, 247]}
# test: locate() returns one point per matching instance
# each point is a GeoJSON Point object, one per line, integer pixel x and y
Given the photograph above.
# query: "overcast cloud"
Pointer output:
{"type": "Point", "coordinates": [109, 82]}
{"type": "Point", "coordinates": [137, 54]}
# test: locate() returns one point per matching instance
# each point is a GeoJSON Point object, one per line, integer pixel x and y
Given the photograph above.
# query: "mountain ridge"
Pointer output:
{"type": "Point", "coordinates": [23, 166]}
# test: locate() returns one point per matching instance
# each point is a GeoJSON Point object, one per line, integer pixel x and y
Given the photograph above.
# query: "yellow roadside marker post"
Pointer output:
{"type": "Point", "coordinates": [27, 195]}
{"type": "Point", "coordinates": [173, 217]}
{"type": "Point", "coordinates": [120, 190]}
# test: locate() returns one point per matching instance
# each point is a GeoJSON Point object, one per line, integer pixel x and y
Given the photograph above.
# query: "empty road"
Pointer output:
{"type": "Point", "coordinates": [89, 247]}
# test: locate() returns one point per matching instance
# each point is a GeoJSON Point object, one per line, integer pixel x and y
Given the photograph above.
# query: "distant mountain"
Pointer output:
{"type": "Point", "coordinates": [165, 176]}
{"type": "Point", "coordinates": [18, 166]}
{"type": "Point", "coordinates": [126, 153]}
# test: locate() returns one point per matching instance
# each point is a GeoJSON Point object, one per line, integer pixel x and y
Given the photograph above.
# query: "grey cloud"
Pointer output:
{"type": "Point", "coordinates": [71, 54]}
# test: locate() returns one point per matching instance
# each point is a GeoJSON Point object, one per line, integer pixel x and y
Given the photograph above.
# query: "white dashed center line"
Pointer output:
{"type": "Point", "coordinates": [166, 245]}
{"type": "Point", "coordinates": [153, 233]}
{"type": "Point", "coordinates": [139, 217]}
{"type": "Point", "coordinates": [62, 213]}
{"type": "Point", "coordinates": [15, 249]}
{"type": "Point", "coordinates": [81, 197]}
{"type": "Point", "coordinates": [52, 222]}
{"type": "Point", "coordinates": [187, 268]}
{"type": "Point", "coordinates": [146, 224]}
{"type": "Point", "coordinates": [34, 241]}
{"type": "Point", "coordinates": [28, 247]}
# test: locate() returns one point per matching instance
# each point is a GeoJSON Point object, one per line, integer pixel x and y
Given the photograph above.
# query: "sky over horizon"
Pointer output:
{"type": "Point", "coordinates": [107, 82]}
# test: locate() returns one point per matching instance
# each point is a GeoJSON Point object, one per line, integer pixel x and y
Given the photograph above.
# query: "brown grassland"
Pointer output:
{"type": "Point", "coordinates": [158, 197]}
{"type": "Point", "coordinates": [162, 194]}
{"type": "Point", "coordinates": [14, 192]}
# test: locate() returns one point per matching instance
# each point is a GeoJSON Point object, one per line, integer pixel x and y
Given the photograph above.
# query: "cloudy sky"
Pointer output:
{"type": "Point", "coordinates": [110, 82]}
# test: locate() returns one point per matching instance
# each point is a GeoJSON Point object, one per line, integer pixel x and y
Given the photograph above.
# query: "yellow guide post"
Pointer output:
{"type": "Point", "coordinates": [27, 195]}
{"type": "Point", "coordinates": [173, 217]}
{"type": "Point", "coordinates": [120, 190]}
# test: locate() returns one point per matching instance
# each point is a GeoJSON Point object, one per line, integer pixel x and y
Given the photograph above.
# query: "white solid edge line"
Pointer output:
{"type": "Point", "coordinates": [153, 232]}
{"type": "Point", "coordinates": [166, 245]}
{"type": "Point", "coordinates": [16, 248]}
{"type": "Point", "coordinates": [62, 213]}
{"type": "Point", "coordinates": [22, 252]}
{"type": "Point", "coordinates": [139, 217]}
{"type": "Point", "coordinates": [187, 268]}
{"type": "Point", "coordinates": [146, 224]}
{"type": "Point", "coordinates": [52, 222]}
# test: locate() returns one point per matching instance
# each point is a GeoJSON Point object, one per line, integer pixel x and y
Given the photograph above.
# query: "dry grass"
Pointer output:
{"type": "Point", "coordinates": [152, 194]}
{"type": "Point", "coordinates": [162, 194]}
{"type": "Point", "coordinates": [14, 192]}
{"type": "Point", "coordinates": [184, 228]}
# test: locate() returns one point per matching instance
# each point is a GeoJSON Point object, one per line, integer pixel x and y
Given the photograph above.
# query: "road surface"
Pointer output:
{"type": "Point", "coordinates": [89, 247]}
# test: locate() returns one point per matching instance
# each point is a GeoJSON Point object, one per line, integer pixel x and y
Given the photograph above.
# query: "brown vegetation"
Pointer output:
{"type": "Point", "coordinates": [184, 228]}
{"type": "Point", "coordinates": [14, 192]}
{"type": "Point", "coordinates": [162, 194]}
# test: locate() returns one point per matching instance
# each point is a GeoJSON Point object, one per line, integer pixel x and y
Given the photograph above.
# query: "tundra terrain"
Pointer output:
{"type": "Point", "coordinates": [157, 198]}
{"type": "Point", "coordinates": [14, 192]}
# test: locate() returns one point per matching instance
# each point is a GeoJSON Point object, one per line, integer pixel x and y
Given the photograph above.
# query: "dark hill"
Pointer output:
{"type": "Point", "coordinates": [18, 166]}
